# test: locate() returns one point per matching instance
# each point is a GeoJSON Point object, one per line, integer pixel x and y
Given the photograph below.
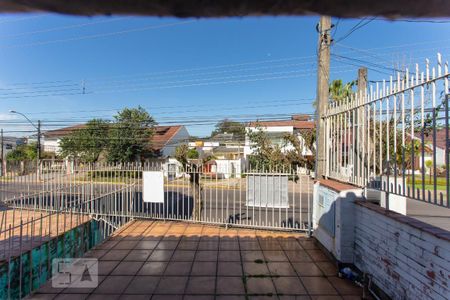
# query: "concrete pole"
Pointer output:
{"type": "Point", "coordinates": [359, 167]}
{"type": "Point", "coordinates": [323, 76]}
{"type": "Point", "coordinates": [2, 155]}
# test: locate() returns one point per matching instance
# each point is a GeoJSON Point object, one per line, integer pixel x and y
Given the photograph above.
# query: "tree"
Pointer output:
{"type": "Point", "coordinates": [182, 154]}
{"type": "Point", "coordinates": [340, 91]}
{"type": "Point", "coordinates": [267, 155]}
{"type": "Point", "coordinates": [23, 152]}
{"type": "Point", "coordinates": [86, 144]}
{"type": "Point", "coordinates": [130, 135]}
{"type": "Point", "coordinates": [229, 126]}
{"type": "Point", "coordinates": [429, 164]}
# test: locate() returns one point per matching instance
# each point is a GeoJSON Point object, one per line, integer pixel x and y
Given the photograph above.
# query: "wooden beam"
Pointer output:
{"type": "Point", "coordinates": [234, 8]}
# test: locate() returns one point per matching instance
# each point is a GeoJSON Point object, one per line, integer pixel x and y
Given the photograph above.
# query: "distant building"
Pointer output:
{"type": "Point", "coordinates": [164, 140]}
{"type": "Point", "coordinates": [277, 130]}
{"type": "Point", "coordinates": [228, 155]}
{"type": "Point", "coordinates": [10, 143]}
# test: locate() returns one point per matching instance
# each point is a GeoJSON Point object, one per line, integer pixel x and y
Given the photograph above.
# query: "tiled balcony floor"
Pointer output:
{"type": "Point", "coordinates": [171, 260]}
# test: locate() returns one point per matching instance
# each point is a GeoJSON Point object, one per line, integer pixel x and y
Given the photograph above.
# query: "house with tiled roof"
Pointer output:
{"type": "Point", "coordinates": [163, 141]}
{"type": "Point", "coordinates": [276, 130]}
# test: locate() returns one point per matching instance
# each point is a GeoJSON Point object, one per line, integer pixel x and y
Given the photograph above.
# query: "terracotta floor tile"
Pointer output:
{"type": "Point", "coordinates": [47, 288]}
{"type": "Point", "coordinates": [206, 255]}
{"type": "Point", "coordinates": [105, 267]}
{"type": "Point", "coordinates": [183, 255]}
{"type": "Point", "coordinates": [127, 268]}
{"type": "Point", "coordinates": [290, 244]}
{"type": "Point", "coordinates": [229, 269]}
{"type": "Point", "coordinates": [252, 255]}
{"type": "Point", "coordinates": [77, 290]}
{"type": "Point", "coordinates": [209, 238]}
{"type": "Point", "coordinates": [204, 268]}
{"type": "Point", "coordinates": [317, 255]}
{"type": "Point", "coordinates": [257, 285]}
{"type": "Point", "coordinates": [115, 255]}
{"type": "Point", "coordinates": [135, 297]}
{"type": "Point", "coordinates": [113, 285]}
{"type": "Point", "coordinates": [187, 245]}
{"type": "Point", "coordinates": [307, 269]}
{"type": "Point", "coordinates": [178, 268]}
{"type": "Point", "coordinates": [249, 245]}
{"type": "Point", "coordinates": [201, 285]}
{"type": "Point", "coordinates": [229, 245]}
{"type": "Point", "coordinates": [289, 286]}
{"type": "Point", "coordinates": [198, 297]}
{"type": "Point", "coordinates": [96, 253]}
{"type": "Point", "coordinates": [71, 296]}
{"type": "Point", "coordinates": [208, 245]}
{"type": "Point", "coordinates": [42, 296]}
{"type": "Point", "coordinates": [294, 297]}
{"type": "Point", "coordinates": [318, 286]}
{"type": "Point", "coordinates": [298, 256]}
{"type": "Point", "coordinates": [229, 255]}
{"type": "Point", "coordinates": [125, 245]}
{"type": "Point", "coordinates": [230, 286]}
{"type": "Point", "coordinates": [328, 268]}
{"type": "Point", "coordinates": [255, 269]}
{"type": "Point", "coordinates": [345, 287]}
{"type": "Point", "coordinates": [138, 255]}
{"type": "Point", "coordinates": [281, 269]}
{"type": "Point", "coordinates": [190, 238]}
{"type": "Point", "coordinates": [167, 297]}
{"type": "Point", "coordinates": [146, 245]}
{"type": "Point", "coordinates": [160, 255]}
{"type": "Point", "coordinates": [153, 268]}
{"type": "Point", "coordinates": [107, 245]}
{"type": "Point", "coordinates": [275, 256]}
{"type": "Point", "coordinates": [308, 243]}
{"type": "Point", "coordinates": [165, 245]}
{"type": "Point", "coordinates": [149, 237]}
{"type": "Point", "coordinates": [269, 244]}
{"type": "Point", "coordinates": [171, 238]}
{"type": "Point", "coordinates": [231, 297]}
{"type": "Point", "coordinates": [142, 285]}
{"type": "Point", "coordinates": [172, 285]}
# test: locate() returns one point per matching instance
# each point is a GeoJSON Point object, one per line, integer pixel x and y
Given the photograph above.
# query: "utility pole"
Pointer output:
{"type": "Point", "coordinates": [38, 141]}
{"type": "Point", "coordinates": [2, 154]}
{"type": "Point", "coordinates": [38, 154]}
{"type": "Point", "coordinates": [323, 75]}
{"type": "Point", "coordinates": [358, 164]}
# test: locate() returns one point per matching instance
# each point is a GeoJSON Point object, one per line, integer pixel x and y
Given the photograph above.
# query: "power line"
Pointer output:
{"type": "Point", "coordinates": [14, 20]}
{"type": "Point", "coordinates": [359, 25]}
{"type": "Point", "coordinates": [175, 106]}
{"type": "Point", "coordinates": [65, 27]}
{"type": "Point", "coordinates": [101, 35]}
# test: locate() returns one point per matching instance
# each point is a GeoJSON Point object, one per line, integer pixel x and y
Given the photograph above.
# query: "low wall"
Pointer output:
{"type": "Point", "coordinates": [36, 264]}
{"type": "Point", "coordinates": [406, 258]}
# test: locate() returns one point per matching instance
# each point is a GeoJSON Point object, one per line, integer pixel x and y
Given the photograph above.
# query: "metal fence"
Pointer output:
{"type": "Point", "coordinates": [278, 198]}
{"type": "Point", "coordinates": [394, 136]}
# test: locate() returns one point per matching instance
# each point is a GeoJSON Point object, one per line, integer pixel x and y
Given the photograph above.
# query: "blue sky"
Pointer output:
{"type": "Point", "coordinates": [187, 71]}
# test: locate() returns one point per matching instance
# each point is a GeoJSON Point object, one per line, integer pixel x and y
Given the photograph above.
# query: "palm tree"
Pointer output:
{"type": "Point", "coordinates": [340, 91]}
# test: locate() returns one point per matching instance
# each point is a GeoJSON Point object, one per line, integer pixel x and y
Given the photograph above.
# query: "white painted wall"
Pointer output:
{"type": "Point", "coordinates": [224, 167]}
{"type": "Point", "coordinates": [51, 145]}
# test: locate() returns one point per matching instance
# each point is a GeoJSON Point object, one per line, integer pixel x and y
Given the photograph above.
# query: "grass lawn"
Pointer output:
{"type": "Point", "coordinates": [441, 182]}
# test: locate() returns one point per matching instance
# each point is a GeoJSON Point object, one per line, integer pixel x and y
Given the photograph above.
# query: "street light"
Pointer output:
{"type": "Point", "coordinates": [38, 128]}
